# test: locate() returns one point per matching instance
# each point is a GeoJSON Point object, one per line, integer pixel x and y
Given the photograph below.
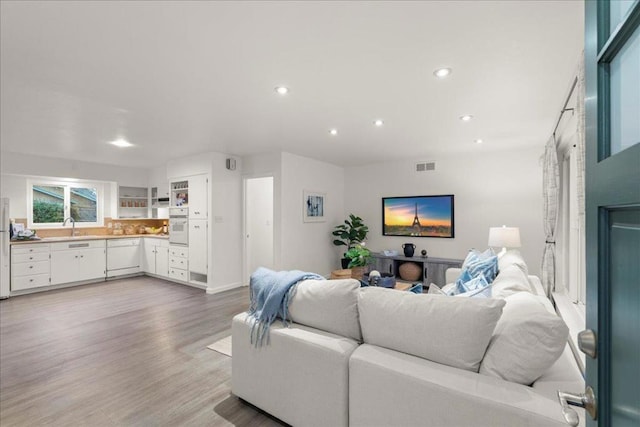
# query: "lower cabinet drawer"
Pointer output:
{"type": "Point", "coordinates": [29, 268]}
{"type": "Point", "coordinates": [33, 257]}
{"type": "Point", "coordinates": [176, 273]}
{"type": "Point", "coordinates": [177, 262]}
{"type": "Point", "coordinates": [28, 282]}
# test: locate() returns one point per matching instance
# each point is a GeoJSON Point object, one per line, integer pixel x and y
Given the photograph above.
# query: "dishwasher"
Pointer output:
{"type": "Point", "coordinates": [123, 257]}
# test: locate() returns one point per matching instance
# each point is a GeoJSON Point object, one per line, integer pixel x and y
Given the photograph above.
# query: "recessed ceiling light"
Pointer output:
{"type": "Point", "coordinates": [478, 141]}
{"type": "Point", "coordinates": [333, 132]}
{"type": "Point", "coordinates": [378, 123]}
{"type": "Point", "coordinates": [121, 143]}
{"type": "Point", "coordinates": [466, 117]}
{"type": "Point", "coordinates": [282, 90]}
{"type": "Point", "coordinates": [441, 73]}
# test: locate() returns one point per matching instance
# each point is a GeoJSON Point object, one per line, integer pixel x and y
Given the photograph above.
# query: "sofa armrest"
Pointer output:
{"type": "Point", "coordinates": [300, 376]}
{"type": "Point", "coordinates": [452, 274]}
{"type": "Point", "coordinates": [384, 386]}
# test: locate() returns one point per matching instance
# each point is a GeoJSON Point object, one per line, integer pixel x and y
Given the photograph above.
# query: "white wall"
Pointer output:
{"type": "Point", "coordinates": [491, 189]}
{"type": "Point", "coordinates": [15, 168]}
{"type": "Point", "coordinates": [308, 246]}
{"type": "Point", "coordinates": [226, 212]}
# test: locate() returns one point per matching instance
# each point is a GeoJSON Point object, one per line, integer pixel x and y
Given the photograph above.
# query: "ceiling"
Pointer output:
{"type": "Point", "coordinates": [180, 78]}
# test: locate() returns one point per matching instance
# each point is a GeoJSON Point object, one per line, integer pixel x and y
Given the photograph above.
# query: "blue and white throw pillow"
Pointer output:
{"type": "Point", "coordinates": [476, 263]}
{"type": "Point", "coordinates": [477, 287]}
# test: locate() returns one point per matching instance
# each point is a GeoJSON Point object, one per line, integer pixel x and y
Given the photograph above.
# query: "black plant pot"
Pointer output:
{"type": "Point", "coordinates": [345, 262]}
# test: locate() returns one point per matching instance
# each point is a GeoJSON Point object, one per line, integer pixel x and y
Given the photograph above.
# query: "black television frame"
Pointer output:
{"type": "Point", "coordinates": [452, 217]}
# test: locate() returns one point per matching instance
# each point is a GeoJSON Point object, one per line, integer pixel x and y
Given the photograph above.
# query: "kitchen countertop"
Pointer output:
{"type": "Point", "coordinates": [95, 237]}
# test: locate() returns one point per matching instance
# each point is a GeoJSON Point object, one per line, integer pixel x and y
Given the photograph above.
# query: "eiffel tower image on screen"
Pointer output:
{"type": "Point", "coordinates": [416, 223]}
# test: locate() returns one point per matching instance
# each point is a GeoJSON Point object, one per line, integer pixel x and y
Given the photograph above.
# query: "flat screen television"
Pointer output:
{"type": "Point", "coordinates": [418, 216]}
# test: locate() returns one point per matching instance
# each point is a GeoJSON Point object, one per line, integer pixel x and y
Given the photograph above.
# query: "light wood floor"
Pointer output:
{"type": "Point", "coordinates": [126, 352]}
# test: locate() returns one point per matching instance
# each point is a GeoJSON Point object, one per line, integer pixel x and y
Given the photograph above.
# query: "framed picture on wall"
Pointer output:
{"type": "Point", "coordinates": [313, 206]}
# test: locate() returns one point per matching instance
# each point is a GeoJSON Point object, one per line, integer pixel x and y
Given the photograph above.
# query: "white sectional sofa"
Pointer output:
{"type": "Point", "coordinates": [378, 357]}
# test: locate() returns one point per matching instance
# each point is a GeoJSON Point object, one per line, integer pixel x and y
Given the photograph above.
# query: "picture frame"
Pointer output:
{"type": "Point", "coordinates": [314, 206]}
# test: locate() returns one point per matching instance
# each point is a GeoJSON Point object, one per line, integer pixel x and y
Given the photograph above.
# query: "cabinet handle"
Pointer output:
{"type": "Point", "coordinates": [31, 266]}
{"type": "Point", "coordinates": [31, 280]}
{"type": "Point", "coordinates": [30, 257]}
{"type": "Point", "coordinates": [81, 256]}
{"type": "Point", "coordinates": [197, 212]}
{"type": "Point", "coordinates": [196, 226]}
{"type": "Point", "coordinates": [30, 250]}
{"type": "Point", "coordinates": [76, 256]}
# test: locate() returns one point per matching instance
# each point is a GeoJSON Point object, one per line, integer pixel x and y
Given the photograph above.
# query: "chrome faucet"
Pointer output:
{"type": "Point", "coordinates": [73, 225]}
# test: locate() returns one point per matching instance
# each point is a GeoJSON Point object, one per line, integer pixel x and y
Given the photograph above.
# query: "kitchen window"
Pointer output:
{"type": "Point", "coordinates": [50, 202]}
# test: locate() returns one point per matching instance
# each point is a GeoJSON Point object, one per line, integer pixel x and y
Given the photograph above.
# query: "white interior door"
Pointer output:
{"type": "Point", "coordinates": [258, 224]}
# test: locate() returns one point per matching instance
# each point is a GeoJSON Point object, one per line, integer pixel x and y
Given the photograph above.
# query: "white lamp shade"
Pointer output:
{"type": "Point", "coordinates": [504, 237]}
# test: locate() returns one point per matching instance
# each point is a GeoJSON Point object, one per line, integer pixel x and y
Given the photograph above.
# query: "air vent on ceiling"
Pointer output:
{"type": "Point", "coordinates": [425, 166]}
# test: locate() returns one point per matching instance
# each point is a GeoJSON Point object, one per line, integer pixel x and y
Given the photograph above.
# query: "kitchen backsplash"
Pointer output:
{"type": "Point", "coordinates": [94, 231]}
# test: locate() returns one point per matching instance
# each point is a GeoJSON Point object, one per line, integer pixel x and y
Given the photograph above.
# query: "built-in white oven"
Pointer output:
{"type": "Point", "coordinates": [179, 226]}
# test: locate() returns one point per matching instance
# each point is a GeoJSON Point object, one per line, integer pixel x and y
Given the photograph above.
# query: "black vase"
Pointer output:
{"type": "Point", "coordinates": [345, 262]}
{"type": "Point", "coordinates": [409, 248]}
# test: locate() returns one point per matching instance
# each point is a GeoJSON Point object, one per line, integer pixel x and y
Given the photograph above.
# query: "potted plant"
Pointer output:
{"type": "Point", "coordinates": [349, 234]}
{"type": "Point", "coordinates": [358, 257]}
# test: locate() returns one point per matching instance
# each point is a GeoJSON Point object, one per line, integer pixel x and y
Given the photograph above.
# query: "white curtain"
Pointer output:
{"type": "Point", "coordinates": [550, 179]}
{"type": "Point", "coordinates": [580, 140]}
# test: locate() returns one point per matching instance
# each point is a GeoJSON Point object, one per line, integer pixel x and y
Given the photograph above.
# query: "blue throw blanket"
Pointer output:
{"type": "Point", "coordinates": [269, 293]}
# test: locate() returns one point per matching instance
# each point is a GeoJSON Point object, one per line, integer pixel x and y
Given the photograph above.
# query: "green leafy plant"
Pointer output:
{"type": "Point", "coordinates": [358, 256]}
{"type": "Point", "coordinates": [45, 211]}
{"type": "Point", "coordinates": [351, 233]}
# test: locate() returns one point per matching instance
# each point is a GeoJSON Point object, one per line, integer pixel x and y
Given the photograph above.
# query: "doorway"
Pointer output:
{"type": "Point", "coordinates": [258, 209]}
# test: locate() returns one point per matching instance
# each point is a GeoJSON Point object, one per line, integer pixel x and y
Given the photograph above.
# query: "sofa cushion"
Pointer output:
{"type": "Point", "coordinates": [389, 388]}
{"type": "Point", "coordinates": [527, 340]}
{"type": "Point", "coordinates": [329, 305]}
{"type": "Point", "coordinates": [510, 280]}
{"type": "Point", "coordinates": [451, 331]}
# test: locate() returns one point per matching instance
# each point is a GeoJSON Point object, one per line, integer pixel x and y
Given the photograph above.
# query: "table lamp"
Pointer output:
{"type": "Point", "coordinates": [504, 237]}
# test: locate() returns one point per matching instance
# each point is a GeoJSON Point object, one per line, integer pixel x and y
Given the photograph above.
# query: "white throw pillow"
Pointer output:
{"type": "Point", "coordinates": [450, 331]}
{"type": "Point", "coordinates": [513, 257]}
{"type": "Point", "coordinates": [435, 289]}
{"type": "Point", "coordinates": [330, 305]}
{"type": "Point", "coordinates": [509, 281]}
{"type": "Point", "coordinates": [526, 342]}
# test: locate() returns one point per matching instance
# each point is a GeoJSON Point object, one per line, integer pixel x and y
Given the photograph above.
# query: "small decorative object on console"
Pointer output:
{"type": "Point", "coordinates": [409, 248]}
{"type": "Point", "coordinates": [410, 271]}
{"type": "Point", "coordinates": [384, 280]}
{"type": "Point", "coordinates": [424, 253]}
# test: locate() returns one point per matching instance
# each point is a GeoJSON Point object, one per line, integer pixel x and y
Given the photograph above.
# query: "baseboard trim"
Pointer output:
{"type": "Point", "coordinates": [218, 289]}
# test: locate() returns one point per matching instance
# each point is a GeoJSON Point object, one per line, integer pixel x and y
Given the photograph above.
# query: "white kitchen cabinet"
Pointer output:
{"type": "Point", "coordinates": [162, 261]}
{"type": "Point", "coordinates": [123, 257]}
{"type": "Point", "coordinates": [198, 197]}
{"type": "Point", "coordinates": [78, 261]}
{"type": "Point", "coordinates": [156, 257]}
{"type": "Point", "coordinates": [178, 262]}
{"type": "Point", "coordinates": [198, 246]}
{"type": "Point", "coordinates": [30, 266]}
{"type": "Point", "coordinates": [133, 202]}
